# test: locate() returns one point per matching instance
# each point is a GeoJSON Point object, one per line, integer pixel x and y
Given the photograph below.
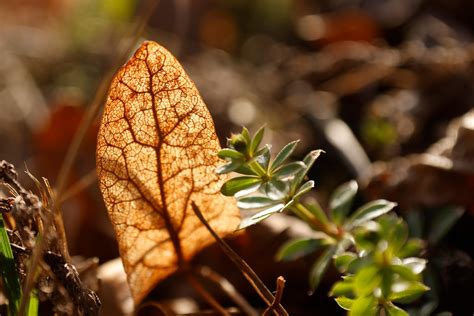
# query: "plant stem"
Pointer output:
{"type": "Point", "coordinates": [228, 288]}
{"type": "Point", "coordinates": [302, 212]}
{"type": "Point", "coordinates": [278, 295]}
{"type": "Point", "coordinates": [255, 166]}
{"type": "Point", "coordinates": [204, 293]}
{"type": "Point", "coordinates": [246, 270]}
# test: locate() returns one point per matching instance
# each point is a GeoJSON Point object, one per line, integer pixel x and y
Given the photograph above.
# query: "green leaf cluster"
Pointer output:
{"type": "Point", "coordinates": [369, 246]}
{"type": "Point", "coordinates": [267, 186]}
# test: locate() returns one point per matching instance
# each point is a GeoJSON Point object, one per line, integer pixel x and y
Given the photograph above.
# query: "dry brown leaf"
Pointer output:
{"type": "Point", "coordinates": [157, 152]}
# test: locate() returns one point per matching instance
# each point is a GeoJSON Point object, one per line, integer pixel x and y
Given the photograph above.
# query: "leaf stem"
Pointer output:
{"type": "Point", "coordinates": [246, 270]}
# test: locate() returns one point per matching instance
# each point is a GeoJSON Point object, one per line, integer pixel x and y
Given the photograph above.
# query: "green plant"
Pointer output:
{"type": "Point", "coordinates": [10, 279]}
{"type": "Point", "coordinates": [370, 247]}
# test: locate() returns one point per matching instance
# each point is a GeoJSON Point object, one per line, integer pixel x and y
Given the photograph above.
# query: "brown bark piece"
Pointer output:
{"type": "Point", "coordinates": [157, 152]}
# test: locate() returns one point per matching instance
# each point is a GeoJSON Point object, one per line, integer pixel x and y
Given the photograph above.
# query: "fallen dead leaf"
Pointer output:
{"type": "Point", "coordinates": [157, 152]}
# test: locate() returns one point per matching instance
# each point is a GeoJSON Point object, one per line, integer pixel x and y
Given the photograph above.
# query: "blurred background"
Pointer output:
{"type": "Point", "coordinates": [385, 87]}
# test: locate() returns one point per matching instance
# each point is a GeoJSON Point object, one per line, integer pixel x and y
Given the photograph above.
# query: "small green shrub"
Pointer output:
{"type": "Point", "coordinates": [369, 246]}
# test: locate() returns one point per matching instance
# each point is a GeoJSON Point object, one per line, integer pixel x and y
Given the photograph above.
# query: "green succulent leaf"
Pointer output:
{"type": "Point", "coordinates": [264, 158]}
{"type": "Point", "coordinates": [284, 154]}
{"type": "Point", "coordinates": [364, 306]}
{"type": "Point", "coordinates": [288, 170]}
{"type": "Point", "coordinates": [404, 272]}
{"type": "Point", "coordinates": [297, 248]}
{"type": "Point", "coordinates": [343, 288]}
{"type": "Point", "coordinates": [367, 280]}
{"type": "Point", "coordinates": [407, 292]}
{"type": "Point", "coordinates": [304, 189]}
{"type": "Point", "coordinates": [359, 263]}
{"type": "Point", "coordinates": [344, 302]}
{"type": "Point", "coordinates": [228, 167]}
{"type": "Point", "coordinates": [253, 202]}
{"type": "Point", "coordinates": [260, 216]}
{"type": "Point", "coordinates": [442, 222]}
{"type": "Point", "coordinates": [256, 140]}
{"type": "Point", "coordinates": [412, 247]}
{"type": "Point", "coordinates": [244, 169]}
{"type": "Point", "coordinates": [234, 185]}
{"type": "Point", "coordinates": [245, 133]}
{"type": "Point", "coordinates": [341, 201]}
{"type": "Point", "coordinates": [392, 310]}
{"type": "Point", "coordinates": [318, 212]}
{"type": "Point", "coordinates": [370, 211]}
{"type": "Point", "coordinates": [343, 260]}
{"type": "Point", "coordinates": [228, 153]}
{"type": "Point", "coordinates": [276, 189]}
{"type": "Point", "coordinates": [263, 151]}
{"type": "Point", "coordinates": [320, 267]}
{"type": "Point", "coordinates": [308, 161]}
{"type": "Point", "coordinates": [417, 265]}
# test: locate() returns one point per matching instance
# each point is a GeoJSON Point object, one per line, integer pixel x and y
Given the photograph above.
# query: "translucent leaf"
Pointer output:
{"type": "Point", "coordinates": [284, 154]}
{"type": "Point", "coordinates": [297, 248]}
{"type": "Point", "coordinates": [156, 153]}
{"type": "Point", "coordinates": [234, 185]}
{"type": "Point", "coordinates": [370, 211]}
{"type": "Point", "coordinates": [341, 201]}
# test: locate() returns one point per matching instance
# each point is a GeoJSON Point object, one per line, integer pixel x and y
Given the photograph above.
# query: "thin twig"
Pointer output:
{"type": "Point", "coordinates": [80, 185]}
{"type": "Point", "coordinates": [228, 288]}
{"type": "Point", "coordinates": [246, 270]}
{"type": "Point", "coordinates": [278, 295]}
{"type": "Point", "coordinates": [160, 308]}
{"type": "Point", "coordinates": [205, 294]}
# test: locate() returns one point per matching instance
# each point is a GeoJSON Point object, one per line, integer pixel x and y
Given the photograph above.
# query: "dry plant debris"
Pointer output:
{"type": "Point", "coordinates": [156, 153]}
